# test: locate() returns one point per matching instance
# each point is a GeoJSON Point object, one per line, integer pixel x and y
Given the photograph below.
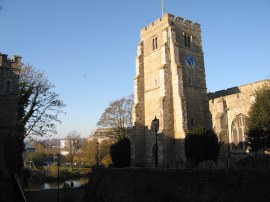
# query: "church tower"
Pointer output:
{"type": "Point", "coordinates": [170, 86]}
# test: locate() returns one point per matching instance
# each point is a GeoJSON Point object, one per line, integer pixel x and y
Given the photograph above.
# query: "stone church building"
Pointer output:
{"type": "Point", "coordinates": [170, 96]}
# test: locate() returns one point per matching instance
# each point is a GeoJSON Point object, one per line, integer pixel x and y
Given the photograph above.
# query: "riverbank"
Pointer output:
{"type": "Point", "coordinates": [75, 182]}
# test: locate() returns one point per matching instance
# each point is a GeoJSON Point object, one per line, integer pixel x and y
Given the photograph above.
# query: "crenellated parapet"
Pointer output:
{"type": "Point", "coordinates": [9, 74]}
{"type": "Point", "coordinates": [171, 20]}
{"type": "Point", "coordinates": [12, 63]}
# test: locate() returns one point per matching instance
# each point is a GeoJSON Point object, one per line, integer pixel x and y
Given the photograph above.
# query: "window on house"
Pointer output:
{"type": "Point", "coordinates": [154, 43]}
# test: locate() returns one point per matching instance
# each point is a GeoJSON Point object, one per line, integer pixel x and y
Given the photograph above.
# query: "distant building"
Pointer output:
{"type": "Point", "coordinates": [63, 147]}
{"type": "Point", "coordinates": [29, 148]}
{"type": "Point", "coordinates": [101, 134]}
{"type": "Point", "coordinates": [108, 134]}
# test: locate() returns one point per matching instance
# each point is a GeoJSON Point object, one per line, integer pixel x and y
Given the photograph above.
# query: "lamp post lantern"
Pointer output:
{"type": "Point", "coordinates": [97, 161]}
{"type": "Point", "coordinates": [156, 125]}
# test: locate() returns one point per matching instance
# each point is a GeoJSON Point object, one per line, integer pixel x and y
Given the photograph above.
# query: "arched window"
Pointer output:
{"type": "Point", "coordinates": [239, 127]}
{"type": "Point", "coordinates": [187, 40]}
{"type": "Point", "coordinates": [185, 37]}
{"type": "Point", "coordinates": [153, 44]}
{"type": "Point", "coordinates": [188, 44]}
{"type": "Point", "coordinates": [8, 86]}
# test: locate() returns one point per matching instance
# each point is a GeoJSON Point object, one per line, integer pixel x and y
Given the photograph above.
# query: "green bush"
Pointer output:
{"type": "Point", "coordinates": [201, 145]}
{"type": "Point", "coordinates": [258, 136]}
{"type": "Point", "coordinates": [120, 153]}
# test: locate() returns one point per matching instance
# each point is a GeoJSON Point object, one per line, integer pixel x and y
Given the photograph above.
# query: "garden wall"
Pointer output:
{"type": "Point", "coordinates": [139, 185]}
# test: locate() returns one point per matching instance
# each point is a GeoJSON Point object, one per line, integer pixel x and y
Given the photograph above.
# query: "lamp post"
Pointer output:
{"type": "Point", "coordinates": [58, 168]}
{"type": "Point", "coordinates": [97, 153]}
{"type": "Point", "coordinates": [156, 125]}
{"type": "Point", "coordinates": [228, 159]}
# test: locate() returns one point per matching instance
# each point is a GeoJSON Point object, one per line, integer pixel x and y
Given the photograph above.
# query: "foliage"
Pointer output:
{"type": "Point", "coordinates": [118, 116]}
{"type": "Point", "coordinates": [42, 154]}
{"type": "Point", "coordinates": [106, 160]}
{"type": "Point", "coordinates": [201, 144]}
{"type": "Point", "coordinates": [88, 152]}
{"type": "Point", "coordinates": [104, 149]}
{"type": "Point", "coordinates": [258, 140]}
{"type": "Point", "coordinates": [52, 170]}
{"type": "Point", "coordinates": [73, 145]}
{"type": "Point", "coordinates": [38, 158]}
{"type": "Point", "coordinates": [258, 136]}
{"type": "Point", "coordinates": [39, 106]}
{"type": "Point", "coordinates": [120, 153]}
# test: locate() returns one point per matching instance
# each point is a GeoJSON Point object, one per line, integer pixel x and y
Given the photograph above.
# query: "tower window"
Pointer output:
{"type": "Point", "coordinates": [8, 86]}
{"type": "Point", "coordinates": [187, 40]}
{"type": "Point", "coordinates": [189, 82]}
{"type": "Point", "coordinates": [154, 43]}
{"type": "Point", "coordinates": [192, 122]}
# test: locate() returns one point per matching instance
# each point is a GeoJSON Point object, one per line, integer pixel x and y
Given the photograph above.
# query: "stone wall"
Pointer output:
{"type": "Point", "coordinates": [139, 185]}
{"type": "Point", "coordinates": [227, 107]}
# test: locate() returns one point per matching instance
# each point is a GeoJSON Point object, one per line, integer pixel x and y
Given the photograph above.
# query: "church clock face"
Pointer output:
{"type": "Point", "coordinates": [190, 61]}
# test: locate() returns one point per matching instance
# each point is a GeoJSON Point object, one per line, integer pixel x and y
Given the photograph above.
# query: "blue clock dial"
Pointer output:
{"type": "Point", "coordinates": [190, 61]}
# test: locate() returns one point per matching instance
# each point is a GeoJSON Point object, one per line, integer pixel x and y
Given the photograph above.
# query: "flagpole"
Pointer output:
{"type": "Point", "coordinates": [162, 3]}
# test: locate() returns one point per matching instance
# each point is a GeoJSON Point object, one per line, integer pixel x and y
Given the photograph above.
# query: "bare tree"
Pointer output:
{"type": "Point", "coordinates": [118, 116]}
{"type": "Point", "coordinates": [39, 105]}
{"type": "Point", "coordinates": [73, 145]}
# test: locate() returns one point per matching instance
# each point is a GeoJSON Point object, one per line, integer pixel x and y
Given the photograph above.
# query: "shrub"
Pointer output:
{"type": "Point", "coordinates": [120, 153]}
{"type": "Point", "coordinates": [201, 145]}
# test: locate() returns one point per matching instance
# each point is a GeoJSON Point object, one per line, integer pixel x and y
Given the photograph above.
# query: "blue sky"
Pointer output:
{"type": "Point", "coordinates": [88, 48]}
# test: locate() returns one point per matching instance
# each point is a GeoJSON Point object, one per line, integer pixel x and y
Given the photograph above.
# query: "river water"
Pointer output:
{"type": "Point", "coordinates": [69, 183]}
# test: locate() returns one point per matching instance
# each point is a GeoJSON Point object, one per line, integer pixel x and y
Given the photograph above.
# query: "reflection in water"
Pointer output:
{"type": "Point", "coordinates": [77, 182]}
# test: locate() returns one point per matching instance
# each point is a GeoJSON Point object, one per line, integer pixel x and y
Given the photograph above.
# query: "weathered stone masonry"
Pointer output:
{"type": "Point", "coordinates": [169, 88]}
{"type": "Point", "coordinates": [170, 84]}
{"type": "Point", "coordinates": [229, 110]}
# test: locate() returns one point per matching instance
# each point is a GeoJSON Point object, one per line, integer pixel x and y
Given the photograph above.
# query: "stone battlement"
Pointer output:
{"type": "Point", "coordinates": [10, 62]}
{"type": "Point", "coordinates": [169, 19]}
{"type": "Point", "coordinates": [235, 90]}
